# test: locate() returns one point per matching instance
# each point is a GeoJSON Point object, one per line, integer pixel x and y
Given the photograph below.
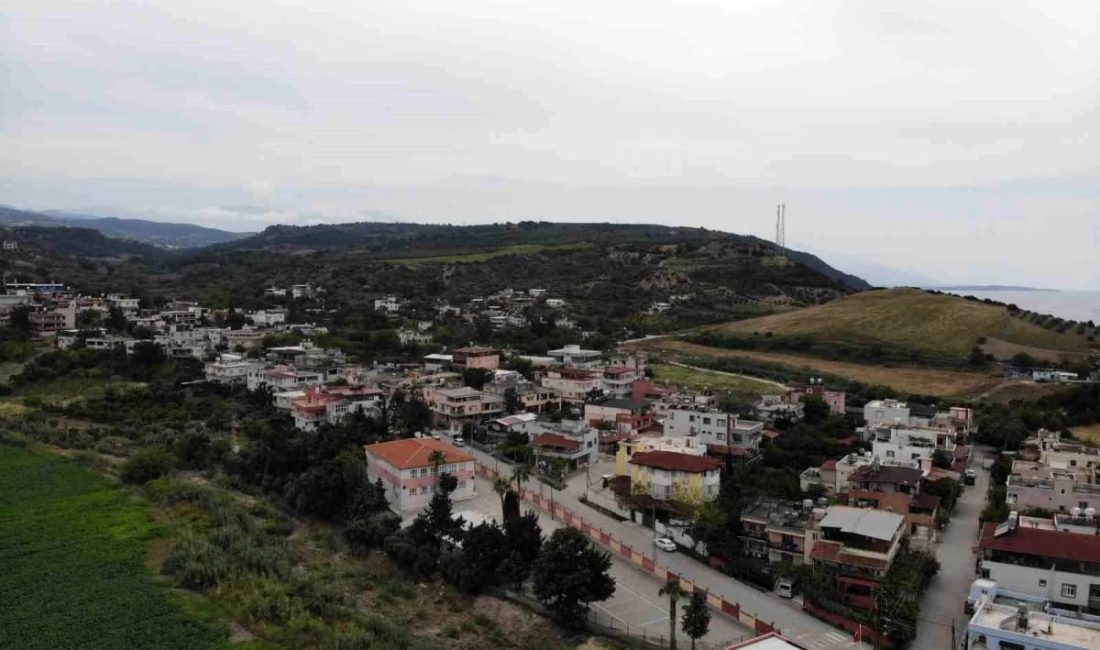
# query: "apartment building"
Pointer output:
{"type": "Point", "coordinates": [476, 357]}
{"type": "Point", "coordinates": [574, 356]}
{"type": "Point", "coordinates": [857, 546]}
{"type": "Point", "coordinates": [409, 472]}
{"type": "Point", "coordinates": [230, 369]}
{"type": "Point", "coordinates": [776, 530]}
{"type": "Point", "coordinates": [1032, 556]}
{"type": "Point", "coordinates": [454, 407]}
{"type": "Point", "coordinates": [573, 384]}
{"type": "Point", "coordinates": [1033, 484]}
{"type": "Point", "coordinates": [618, 381]}
{"type": "Point", "coordinates": [723, 433]}
{"type": "Point", "coordinates": [282, 378]}
{"type": "Point", "coordinates": [574, 442]}
{"type": "Point", "coordinates": [1004, 626]}
{"type": "Point", "coordinates": [331, 404]}
{"type": "Point", "coordinates": [900, 441]}
{"type": "Point", "coordinates": [669, 475]}
{"type": "Point", "coordinates": [885, 411]}
{"type": "Point", "coordinates": [835, 399]}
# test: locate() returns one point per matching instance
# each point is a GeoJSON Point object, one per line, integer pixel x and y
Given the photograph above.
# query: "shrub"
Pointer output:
{"type": "Point", "coordinates": [146, 465]}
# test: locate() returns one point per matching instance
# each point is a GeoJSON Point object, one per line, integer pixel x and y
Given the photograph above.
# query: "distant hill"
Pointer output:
{"type": "Point", "coordinates": [165, 235]}
{"type": "Point", "coordinates": [158, 233]}
{"type": "Point", "coordinates": [67, 241]}
{"type": "Point", "coordinates": [915, 320]}
{"type": "Point", "coordinates": [402, 240]}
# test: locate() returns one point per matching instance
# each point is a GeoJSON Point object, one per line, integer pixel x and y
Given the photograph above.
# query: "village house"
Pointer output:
{"type": "Point", "coordinates": [574, 356]}
{"type": "Point", "coordinates": [476, 357]}
{"type": "Point", "coordinates": [723, 433]}
{"type": "Point", "coordinates": [409, 472]}
{"type": "Point", "coordinates": [835, 399]}
{"type": "Point", "coordinates": [776, 530]}
{"type": "Point", "coordinates": [618, 381]}
{"type": "Point", "coordinates": [1038, 558]}
{"type": "Point", "coordinates": [281, 378]}
{"type": "Point", "coordinates": [573, 384]}
{"type": "Point", "coordinates": [857, 546]}
{"type": "Point", "coordinates": [456, 407]}
{"type": "Point", "coordinates": [268, 317]}
{"type": "Point", "coordinates": [574, 442]}
{"type": "Point", "coordinates": [670, 475]}
{"type": "Point", "coordinates": [331, 404]}
{"type": "Point", "coordinates": [230, 369]}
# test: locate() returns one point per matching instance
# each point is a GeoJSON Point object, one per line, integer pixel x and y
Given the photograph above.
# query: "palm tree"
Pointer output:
{"type": "Point", "coordinates": [437, 458]}
{"type": "Point", "coordinates": [674, 591]}
{"type": "Point", "coordinates": [502, 486]}
{"type": "Point", "coordinates": [520, 474]}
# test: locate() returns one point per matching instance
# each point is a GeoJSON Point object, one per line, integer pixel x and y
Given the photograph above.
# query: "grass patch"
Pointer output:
{"type": "Point", "coordinates": [1089, 433]}
{"type": "Point", "coordinates": [457, 258]}
{"type": "Point", "coordinates": [740, 389]}
{"type": "Point", "coordinates": [910, 319]}
{"type": "Point", "coordinates": [915, 381]}
{"type": "Point", "coordinates": [73, 547]}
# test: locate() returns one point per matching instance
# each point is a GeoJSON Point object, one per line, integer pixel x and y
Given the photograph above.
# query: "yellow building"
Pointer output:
{"type": "Point", "coordinates": [628, 448]}
{"type": "Point", "coordinates": [669, 475]}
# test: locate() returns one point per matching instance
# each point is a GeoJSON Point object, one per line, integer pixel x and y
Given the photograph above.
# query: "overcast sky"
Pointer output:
{"type": "Point", "coordinates": [956, 141]}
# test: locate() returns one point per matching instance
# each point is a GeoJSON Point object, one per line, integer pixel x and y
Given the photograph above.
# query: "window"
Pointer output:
{"type": "Point", "coordinates": [423, 489]}
{"type": "Point", "coordinates": [889, 453]}
{"type": "Point", "coordinates": [1042, 583]}
{"type": "Point", "coordinates": [720, 423]}
{"type": "Point", "coordinates": [461, 484]}
{"type": "Point", "coordinates": [1069, 591]}
{"type": "Point", "coordinates": [706, 420]}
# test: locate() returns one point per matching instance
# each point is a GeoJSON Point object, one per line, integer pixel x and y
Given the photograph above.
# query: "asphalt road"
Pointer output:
{"type": "Point", "coordinates": [635, 608]}
{"type": "Point", "coordinates": [943, 601]}
{"type": "Point", "coordinates": [785, 614]}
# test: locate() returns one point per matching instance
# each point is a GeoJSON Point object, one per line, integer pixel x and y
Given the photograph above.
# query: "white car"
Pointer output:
{"type": "Point", "coordinates": [459, 441]}
{"type": "Point", "coordinates": [665, 544]}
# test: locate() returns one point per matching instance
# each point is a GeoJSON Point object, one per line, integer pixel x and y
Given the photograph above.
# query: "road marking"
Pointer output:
{"type": "Point", "coordinates": [836, 636]}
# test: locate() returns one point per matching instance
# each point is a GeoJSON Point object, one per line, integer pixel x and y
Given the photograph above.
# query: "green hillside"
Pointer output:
{"type": "Point", "coordinates": [916, 320]}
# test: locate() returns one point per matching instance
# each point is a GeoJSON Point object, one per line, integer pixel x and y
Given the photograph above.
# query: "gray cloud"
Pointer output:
{"type": "Point", "coordinates": [957, 141]}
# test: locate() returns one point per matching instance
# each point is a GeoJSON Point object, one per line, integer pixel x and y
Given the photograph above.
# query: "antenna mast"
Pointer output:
{"type": "Point", "coordinates": [781, 226]}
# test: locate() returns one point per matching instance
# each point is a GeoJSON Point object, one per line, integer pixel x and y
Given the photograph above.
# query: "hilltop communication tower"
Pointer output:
{"type": "Point", "coordinates": [781, 226]}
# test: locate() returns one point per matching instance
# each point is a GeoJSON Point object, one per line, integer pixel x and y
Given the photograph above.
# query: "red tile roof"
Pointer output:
{"type": "Point", "coordinates": [829, 465]}
{"type": "Point", "coordinates": [554, 440]}
{"type": "Point", "coordinates": [414, 452]}
{"type": "Point", "coordinates": [617, 370]}
{"type": "Point", "coordinates": [1047, 543]}
{"type": "Point", "coordinates": [672, 460]}
{"type": "Point", "coordinates": [723, 450]}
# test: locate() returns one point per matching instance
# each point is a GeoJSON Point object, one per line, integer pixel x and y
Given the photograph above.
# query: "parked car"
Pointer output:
{"type": "Point", "coordinates": [786, 587]}
{"type": "Point", "coordinates": [665, 544]}
{"type": "Point", "coordinates": [969, 476]}
{"type": "Point", "coordinates": [459, 441]}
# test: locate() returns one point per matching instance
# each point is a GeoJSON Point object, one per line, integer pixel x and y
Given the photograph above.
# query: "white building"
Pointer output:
{"type": "Point", "coordinates": [280, 378]}
{"type": "Point", "coordinates": [388, 304]}
{"type": "Point", "coordinates": [722, 432]}
{"type": "Point", "coordinates": [910, 443]}
{"type": "Point", "coordinates": [331, 404]}
{"type": "Point", "coordinates": [268, 317]}
{"type": "Point", "coordinates": [230, 369]}
{"type": "Point", "coordinates": [413, 337]}
{"type": "Point", "coordinates": [1022, 626]}
{"type": "Point", "coordinates": [1030, 556]}
{"type": "Point", "coordinates": [885, 411]}
{"type": "Point", "coordinates": [574, 356]}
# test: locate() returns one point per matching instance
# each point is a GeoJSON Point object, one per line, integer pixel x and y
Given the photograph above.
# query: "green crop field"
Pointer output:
{"type": "Point", "coordinates": [914, 320]}
{"type": "Point", "coordinates": [743, 389]}
{"type": "Point", "coordinates": [72, 550]}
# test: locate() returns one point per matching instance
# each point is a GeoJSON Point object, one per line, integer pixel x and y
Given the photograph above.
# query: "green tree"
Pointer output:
{"type": "Point", "coordinates": [512, 402]}
{"type": "Point", "coordinates": [570, 574]}
{"type": "Point", "coordinates": [814, 409]}
{"type": "Point", "coordinates": [477, 564]}
{"type": "Point", "coordinates": [696, 620]}
{"type": "Point", "coordinates": [520, 474]}
{"type": "Point", "coordinates": [503, 487]}
{"type": "Point", "coordinates": [476, 378]}
{"type": "Point", "coordinates": [675, 592]}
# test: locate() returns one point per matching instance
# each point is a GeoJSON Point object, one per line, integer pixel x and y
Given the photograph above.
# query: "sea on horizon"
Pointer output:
{"type": "Point", "coordinates": [1072, 305]}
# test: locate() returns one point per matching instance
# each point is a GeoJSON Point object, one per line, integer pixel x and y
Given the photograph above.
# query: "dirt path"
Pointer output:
{"type": "Point", "coordinates": [778, 385]}
{"type": "Point", "coordinates": [923, 381]}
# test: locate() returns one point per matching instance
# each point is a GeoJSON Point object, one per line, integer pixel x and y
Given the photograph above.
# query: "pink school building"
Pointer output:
{"type": "Point", "coordinates": [406, 469]}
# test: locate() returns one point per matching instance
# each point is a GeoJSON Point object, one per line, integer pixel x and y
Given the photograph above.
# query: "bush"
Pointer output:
{"type": "Point", "coordinates": [146, 465]}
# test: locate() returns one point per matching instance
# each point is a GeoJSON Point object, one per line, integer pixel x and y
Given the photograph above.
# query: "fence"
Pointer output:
{"type": "Point", "coordinates": [607, 625]}
{"type": "Point", "coordinates": [636, 557]}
